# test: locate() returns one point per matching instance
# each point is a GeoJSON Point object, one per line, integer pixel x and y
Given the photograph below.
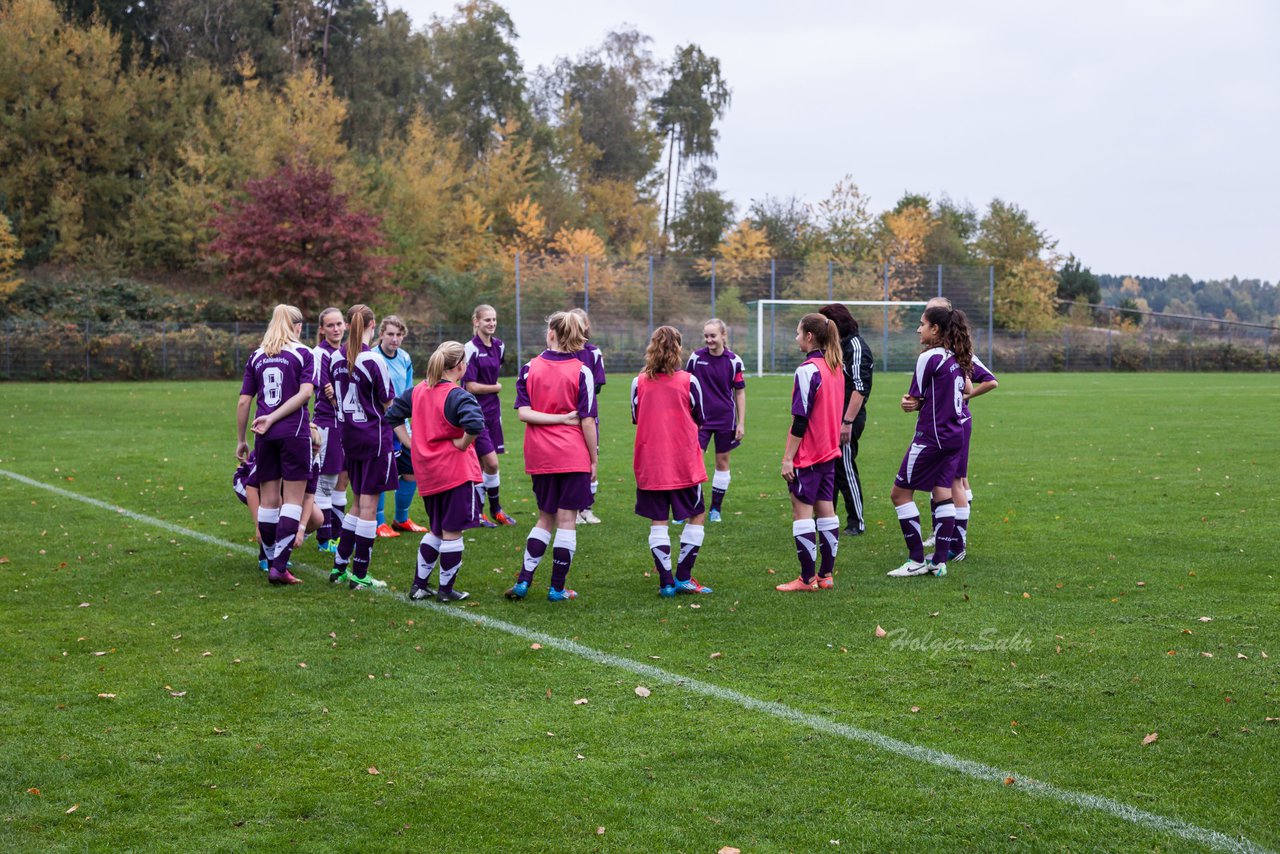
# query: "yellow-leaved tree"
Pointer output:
{"type": "Point", "coordinates": [742, 254]}
{"type": "Point", "coordinates": [10, 255]}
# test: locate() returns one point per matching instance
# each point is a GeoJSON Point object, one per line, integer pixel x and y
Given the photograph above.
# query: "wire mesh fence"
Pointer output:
{"type": "Point", "coordinates": [626, 301]}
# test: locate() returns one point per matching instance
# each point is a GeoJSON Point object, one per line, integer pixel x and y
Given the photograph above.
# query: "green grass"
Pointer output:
{"type": "Point", "coordinates": [1111, 513]}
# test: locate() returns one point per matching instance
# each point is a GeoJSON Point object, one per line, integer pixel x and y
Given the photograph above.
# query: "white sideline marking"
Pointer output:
{"type": "Point", "coordinates": [976, 770]}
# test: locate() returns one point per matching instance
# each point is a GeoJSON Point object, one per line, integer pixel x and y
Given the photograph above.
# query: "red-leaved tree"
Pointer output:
{"type": "Point", "coordinates": [294, 239]}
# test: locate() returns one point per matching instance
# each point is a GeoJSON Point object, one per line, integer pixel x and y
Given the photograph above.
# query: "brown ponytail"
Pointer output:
{"type": "Point", "coordinates": [827, 336]}
{"type": "Point", "coordinates": [360, 319]}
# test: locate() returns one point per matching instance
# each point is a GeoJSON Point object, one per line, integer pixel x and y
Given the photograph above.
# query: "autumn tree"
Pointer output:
{"type": "Point", "coordinates": [10, 255]}
{"type": "Point", "coordinates": [696, 95]}
{"type": "Point", "coordinates": [743, 253]}
{"type": "Point", "coordinates": [1023, 257]}
{"type": "Point", "coordinates": [295, 238]}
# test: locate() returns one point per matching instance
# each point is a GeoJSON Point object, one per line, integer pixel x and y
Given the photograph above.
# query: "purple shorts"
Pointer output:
{"type": "Point", "coordinates": [333, 462]}
{"type": "Point", "coordinates": [724, 439]}
{"type": "Point", "coordinates": [491, 440]}
{"type": "Point", "coordinates": [404, 463]}
{"type": "Point", "coordinates": [666, 504]}
{"type": "Point", "coordinates": [962, 466]}
{"type": "Point", "coordinates": [815, 483]}
{"type": "Point", "coordinates": [373, 476]}
{"type": "Point", "coordinates": [926, 468]}
{"type": "Point", "coordinates": [283, 459]}
{"type": "Point", "coordinates": [570, 490]}
{"type": "Point", "coordinates": [452, 510]}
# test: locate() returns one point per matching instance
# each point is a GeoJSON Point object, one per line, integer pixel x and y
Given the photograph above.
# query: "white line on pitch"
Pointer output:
{"type": "Point", "coordinates": [928, 755]}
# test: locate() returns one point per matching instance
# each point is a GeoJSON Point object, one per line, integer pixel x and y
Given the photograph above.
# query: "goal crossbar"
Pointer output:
{"type": "Point", "coordinates": [761, 304]}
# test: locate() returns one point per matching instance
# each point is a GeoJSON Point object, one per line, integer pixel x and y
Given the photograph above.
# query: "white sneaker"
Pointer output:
{"type": "Point", "coordinates": [929, 543]}
{"type": "Point", "coordinates": [586, 517]}
{"type": "Point", "coordinates": [912, 567]}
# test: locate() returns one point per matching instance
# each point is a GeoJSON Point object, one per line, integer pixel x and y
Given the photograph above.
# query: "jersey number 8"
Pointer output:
{"type": "Point", "coordinates": [272, 387]}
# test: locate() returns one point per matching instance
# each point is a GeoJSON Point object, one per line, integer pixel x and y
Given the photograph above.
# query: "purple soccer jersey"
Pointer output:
{"type": "Point", "coordinates": [980, 374]}
{"type": "Point", "coordinates": [697, 401]}
{"type": "Point", "coordinates": [591, 356]}
{"type": "Point", "coordinates": [484, 365]}
{"type": "Point", "coordinates": [939, 382]}
{"type": "Point", "coordinates": [720, 377]}
{"type": "Point", "coordinates": [273, 380]}
{"type": "Point", "coordinates": [808, 380]}
{"type": "Point", "coordinates": [362, 396]}
{"type": "Point", "coordinates": [325, 415]}
{"type": "Point", "coordinates": [586, 394]}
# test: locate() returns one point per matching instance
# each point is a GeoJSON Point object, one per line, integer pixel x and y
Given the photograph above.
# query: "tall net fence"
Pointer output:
{"type": "Point", "coordinates": [626, 301]}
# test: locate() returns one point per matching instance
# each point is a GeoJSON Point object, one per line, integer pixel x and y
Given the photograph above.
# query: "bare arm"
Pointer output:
{"type": "Point", "coordinates": [483, 388]}
{"type": "Point", "coordinates": [856, 399]}
{"type": "Point", "coordinates": [466, 440]}
{"type": "Point", "coordinates": [740, 401]}
{"type": "Point", "coordinates": [263, 423]}
{"type": "Point", "coordinates": [402, 433]}
{"type": "Point", "coordinates": [592, 438]}
{"type": "Point", "coordinates": [529, 415]}
{"type": "Point", "coordinates": [242, 424]}
{"type": "Point", "coordinates": [788, 457]}
{"type": "Point", "coordinates": [981, 389]}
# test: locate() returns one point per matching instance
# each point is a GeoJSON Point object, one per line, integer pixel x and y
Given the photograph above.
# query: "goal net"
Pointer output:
{"type": "Point", "coordinates": [889, 326]}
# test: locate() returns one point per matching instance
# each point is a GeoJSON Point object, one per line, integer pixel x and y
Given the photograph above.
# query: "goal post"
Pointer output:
{"type": "Point", "coordinates": [885, 305]}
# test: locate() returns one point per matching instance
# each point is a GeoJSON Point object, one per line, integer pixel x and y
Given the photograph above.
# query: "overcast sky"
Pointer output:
{"type": "Point", "coordinates": [1143, 136]}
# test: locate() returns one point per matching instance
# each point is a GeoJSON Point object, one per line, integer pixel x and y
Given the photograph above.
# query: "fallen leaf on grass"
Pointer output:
{"type": "Point", "coordinates": [374, 771]}
{"type": "Point", "coordinates": [37, 791]}
{"type": "Point", "coordinates": [1273, 720]}
{"type": "Point", "coordinates": [881, 633]}
{"type": "Point", "coordinates": [599, 831]}
{"type": "Point", "coordinates": [106, 696]}
{"type": "Point", "coordinates": [580, 757]}
{"type": "Point", "coordinates": [1172, 652]}
{"type": "Point", "coordinates": [1206, 619]}
{"type": "Point", "coordinates": [915, 709]}
{"type": "Point", "coordinates": [642, 691]}
{"type": "Point", "coordinates": [177, 693]}
{"type": "Point", "coordinates": [1141, 584]}
{"type": "Point", "coordinates": [1026, 595]}
{"type": "Point", "coordinates": [1009, 781]}
{"type": "Point", "coordinates": [694, 605]}
{"type": "Point", "coordinates": [72, 809]}
{"type": "Point", "coordinates": [84, 604]}
{"type": "Point", "coordinates": [4, 559]}
{"type": "Point", "coordinates": [717, 655]}
{"type": "Point", "coordinates": [1207, 654]}
{"type": "Point", "coordinates": [1186, 631]}
{"type": "Point", "coordinates": [581, 701]}
{"type": "Point", "coordinates": [205, 654]}
{"type": "Point", "coordinates": [219, 731]}
{"type": "Point", "coordinates": [1151, 738]}
{"type": "Point", "coordinates": [1264, 655]}
{"type": "Point", "coordinates": [729, 850]}
{"type": "Point", "coordinates": [100, 653]}
{"type": "Point", "coordinates": [302, 664]}
{"type": "Point", "coordinates": [535, 646]}
{"type": "Point", "coordinates": [1242, 655]}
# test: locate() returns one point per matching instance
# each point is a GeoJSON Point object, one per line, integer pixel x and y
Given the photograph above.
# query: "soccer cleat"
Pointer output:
{"type": "Point", "coordinates": [354, 583]}
{"type": "Point", "coordinates": [283, 577]}
{"type": "Point", "coordinates": [502, 517]}
{"type": "Point", "coordinates": [264, 565]}
{"type": "Point", "coordinates": [408, 526]}
{"type": "Point", "coordinates": [328, 547]}
{"type": "Point", "coordinates": [386, 531]}
{"type": "Point", "coordinates": [938, 569]}
{"type": "Point", "coordinates": [667, 591]}
{"type": "Point", "coordinates": [797, 585]}
{"type": "Point", "coordinates": [486, 522]}
{"type": "Point", "coordinates": [337, 575]}
{"type": "Point", "coordinates": [913, 568]}
{"type": "Point", "coordinates": [519, 590]}
{"type": "Point", "coordinates": [554, 595]}
{"type": "Point", "coordinates": [826, 582]}
{"type": "Point", "coordinates": [451, 595]}
{"type": "Point", "coordinates": [851, 532]}
{"type": "Point", "coordinates": [929, 543]}
{"type": "Point", "coordinates": [418, 593]}
{"type": "Point", "coordinates": [587, 517]}
{"type": "Point", "coordinates": [691, 586]}
{"type": "Point", "coordinates": [714, 516]}
{"type": "Point", "coordinates": [678, 521]}
{"type": "Point", "coordinates": [956, 557]}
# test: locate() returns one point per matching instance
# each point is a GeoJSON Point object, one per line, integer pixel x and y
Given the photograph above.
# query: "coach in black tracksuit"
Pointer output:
{"type": "Point", "coordinates": [858, 365]}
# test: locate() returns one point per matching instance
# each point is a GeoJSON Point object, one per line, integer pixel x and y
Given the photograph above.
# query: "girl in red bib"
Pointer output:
{"type": "Point", "coordinates": [555, 396]}
{"type": "Point", "coordinates": [813, 445]}
{"type": "Point", "coordinates": [666, 407]}
{"type": "Point", "coordinates": [446, 421]}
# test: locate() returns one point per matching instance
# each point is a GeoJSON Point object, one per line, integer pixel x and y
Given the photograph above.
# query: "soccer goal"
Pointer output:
{"type": "Point", "coordinates": [886, 314]}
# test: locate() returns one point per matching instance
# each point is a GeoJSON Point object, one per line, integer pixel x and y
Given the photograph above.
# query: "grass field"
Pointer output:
{"type": "Point", "coordinates": [1120, 584]}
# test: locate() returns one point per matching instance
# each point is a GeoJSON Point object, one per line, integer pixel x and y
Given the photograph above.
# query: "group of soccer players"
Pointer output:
{"type": "Point", "coordinates": [443, 437]}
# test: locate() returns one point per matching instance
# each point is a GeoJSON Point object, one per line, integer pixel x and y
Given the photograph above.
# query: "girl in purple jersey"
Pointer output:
{"type": "Point", "coordinates": [721, 373]}
{"type": "Point", "coordinates": [331, 487]}
{"type": "Point", "coordinates": [485, 354]}
{"type": "Point", "coordinates": [281, 376]}
{"type": "Point", "coordinates": [938, 388]}
{"type": "Point", "coordinates": [591, 356]}
{"type": "Point", "coordinates": [362, 388]}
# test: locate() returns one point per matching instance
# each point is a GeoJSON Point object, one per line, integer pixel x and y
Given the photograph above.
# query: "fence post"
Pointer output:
{"type": "Point", "coordinates": [8, 351]}
{"type": "Point", "coordinates": [650, 296]}
{"type": "Point", "coordinates": [586, 283]}
{"type": "Point", "coordinates": [991, 313]}
{"type": "Point", "coordinates": [1108, 346]}
{"type": "Point", "coordinates": [1024, 350]}
{"type": "Point", "coordinates": [519, 339]}
{"type": "Point", "coordinates": [773, 317]}
{"type": "Point", "coordinates": [88, 372]}
{"type": "Point", "coordinates": [886, 316]}
{"type": "Point", "coordinates": [164, 349]}
{"type": "Point", "coordinates": [713, 287]}
{"type": "Point", "coordinates": [1066, 348]}
{"type": "Point", "coordinates": [831, 293]}
{"type": "Point", "coordinates": [1150, 355]}
{"type": "Point", "coordinates": [939, 280]}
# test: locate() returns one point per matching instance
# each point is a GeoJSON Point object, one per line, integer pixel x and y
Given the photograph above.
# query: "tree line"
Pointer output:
{"type": "Point", "coordinates": [313, 149]}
